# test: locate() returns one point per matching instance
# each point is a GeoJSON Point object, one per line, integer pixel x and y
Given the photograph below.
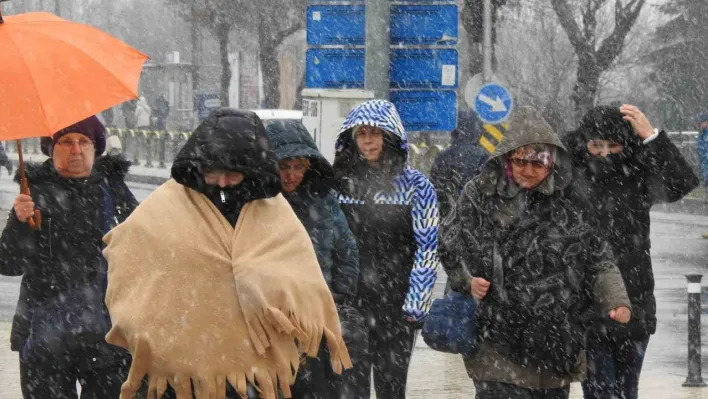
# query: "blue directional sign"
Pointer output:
{"type": "Point", "coordinates": [426, 110]}
{"type": "Point", "coordinates": [424, 69]}
{"type": "Point", "coordinates": [337, 24]}
{"type": "Point", "coordinates": [493, 103]}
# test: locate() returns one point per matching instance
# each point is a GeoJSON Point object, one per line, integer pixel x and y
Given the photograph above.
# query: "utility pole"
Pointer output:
{"type": "Point", "coordinates": [378, 47]}
{"type": "Point", "coordinates": [487, 42]}
{"type": "Point", "coordinates": [195, 59]}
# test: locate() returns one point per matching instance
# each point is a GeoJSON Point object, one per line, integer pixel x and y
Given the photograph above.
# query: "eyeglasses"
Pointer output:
{"type": "Point", "coordinates": [68, 144]}
{"type": "Point", "coordinates": [522, 163]}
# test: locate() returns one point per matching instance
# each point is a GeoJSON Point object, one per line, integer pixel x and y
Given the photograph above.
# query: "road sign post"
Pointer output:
{"type": "Point", "coordinates": [487, 65]}
{"type": "Point", "coordinates": [378, 42]}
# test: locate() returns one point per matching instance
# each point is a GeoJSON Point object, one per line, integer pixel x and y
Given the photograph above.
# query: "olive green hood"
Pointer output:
{"type": "Point", "coordinates": [526, 126]}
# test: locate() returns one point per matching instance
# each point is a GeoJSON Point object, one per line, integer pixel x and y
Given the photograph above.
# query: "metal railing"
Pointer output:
{"type": "Point", "coordinates": [157, 149]}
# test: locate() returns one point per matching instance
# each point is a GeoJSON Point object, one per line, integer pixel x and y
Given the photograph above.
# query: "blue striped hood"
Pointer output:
{"type": "Point", "coordinates": [377, 113]}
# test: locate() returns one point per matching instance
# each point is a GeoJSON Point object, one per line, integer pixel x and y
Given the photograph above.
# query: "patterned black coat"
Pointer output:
{"type": "Point", "coordinates": [550, 271]}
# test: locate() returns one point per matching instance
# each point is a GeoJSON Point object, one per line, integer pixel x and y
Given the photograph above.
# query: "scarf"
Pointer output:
{"type": "Point", "coordinates": [197, 301]}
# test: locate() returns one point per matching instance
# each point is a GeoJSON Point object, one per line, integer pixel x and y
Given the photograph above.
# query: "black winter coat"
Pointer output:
{"type": "Point", "coordinates": [65, 253]}
{"type": "Point", "coordinates": [315, 204]}
{"type": "Point", "coordinates": [459, 163]}
{"type": "Point", "coordinates": [657, 174]}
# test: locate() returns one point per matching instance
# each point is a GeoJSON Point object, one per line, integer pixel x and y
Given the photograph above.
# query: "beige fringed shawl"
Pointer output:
{"type": "Point", "coordinates": [193, 298]}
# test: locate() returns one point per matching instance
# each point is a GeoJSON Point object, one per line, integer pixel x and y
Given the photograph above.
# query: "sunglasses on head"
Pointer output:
{"type": "Point", "coordinates": [522, 163]}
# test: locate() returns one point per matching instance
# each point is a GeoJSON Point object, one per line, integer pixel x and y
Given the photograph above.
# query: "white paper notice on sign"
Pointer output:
{"type": "Point", "coordinates": [449, 75]}
{"type": "Point", "coordinates": [316, 16]}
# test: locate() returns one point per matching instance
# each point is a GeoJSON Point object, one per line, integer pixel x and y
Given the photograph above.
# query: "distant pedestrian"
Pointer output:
{"type": "Point", "coordinates": [114, 146]}
{"type": "Point", "coordinates": [128, 109]}
{"type": "Point", "coordinates": [5, 161]}
{"type": "Point", "coordinates": [160, 112]}
{"type": "Point", "coordinates": [61, 321]}
{"type": "Point", "coordinates": [629, 167]}
{"type": "Point", "coordinates": [393, 211]}
{"type": "Point", "coordinates": [521, 242]}
{"type": "Point", "coordinates": [142, 114]}
{"type": "Point", "coordinates": [702, 145]}
{"type": "Point", "coordinates": [460, 162]}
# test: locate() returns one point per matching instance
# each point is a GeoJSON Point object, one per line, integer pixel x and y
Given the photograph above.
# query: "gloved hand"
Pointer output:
{"type": "Point", "coordinates": [9, 168]}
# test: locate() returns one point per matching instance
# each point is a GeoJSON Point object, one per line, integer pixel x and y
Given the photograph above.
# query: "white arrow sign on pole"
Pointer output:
{"type": "Point", "coordinates": [496, 104]}
{"type": "Point", "coordinates": [493, 103]}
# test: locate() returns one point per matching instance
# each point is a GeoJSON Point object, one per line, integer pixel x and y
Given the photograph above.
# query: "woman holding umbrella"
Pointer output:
{"type": "Point", "coordinates": [61, 320]}
{"type": "Point", "coordinates": [56, 73]}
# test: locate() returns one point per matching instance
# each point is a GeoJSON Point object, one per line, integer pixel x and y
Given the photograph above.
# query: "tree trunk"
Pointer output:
{"type": "Point", "coordinates": [195, 60]}
{"type": "Point", "coordinates": [270, 68]}
{"type": "Point", "coordinates": [586, 86]}
{"type": "Point", "coordinates": [223, 36]}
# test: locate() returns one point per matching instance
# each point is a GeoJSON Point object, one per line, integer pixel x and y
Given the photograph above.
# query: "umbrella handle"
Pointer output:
{"type": "Point", "coordinates": [36, 219]}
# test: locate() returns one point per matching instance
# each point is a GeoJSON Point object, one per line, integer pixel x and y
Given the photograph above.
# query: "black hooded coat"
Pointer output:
{"type": "Point", "coordinates": [229, 140]}
{"type": "Point", "coordinates": [315, 204]}
{"type": "Point", "coordinates": [459, 163]}
{"type": "Point", "coordinates": [623, 188]}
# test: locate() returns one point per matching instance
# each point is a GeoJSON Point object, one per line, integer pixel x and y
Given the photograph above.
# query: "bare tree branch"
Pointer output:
{"type": "Point", "coordinates": [570, 26]}
{"type": "Point", "coordinates": [625, 17]}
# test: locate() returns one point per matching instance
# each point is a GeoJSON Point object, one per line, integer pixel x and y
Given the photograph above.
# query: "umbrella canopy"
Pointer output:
{"type": "Point", "coordinates": [54, 73]}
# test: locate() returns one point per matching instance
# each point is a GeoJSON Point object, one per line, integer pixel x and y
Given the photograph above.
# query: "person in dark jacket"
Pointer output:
{"type": "Point", "coordinates": [459, 163]}
{"type": "Point", "coordinates": [519, 240]}
{"type": "Point", "coordinates": [160, 112]}
{"type": "Point", "coordinates": [5, 161]}
{"type": "Point", "coordinates": [630, 166]}
{"type": "Point", "coordinates": [81, 195]}
{"type": "Point", "coordinates": [308, 183]}
{"type": "Point", "coordinates": [392, 210]}
{"type": "Point", "coordinates": [702, 145]}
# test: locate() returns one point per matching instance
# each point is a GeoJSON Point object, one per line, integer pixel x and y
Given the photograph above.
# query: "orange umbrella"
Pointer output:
{"type": "Point", "coordinates": [54, 73]}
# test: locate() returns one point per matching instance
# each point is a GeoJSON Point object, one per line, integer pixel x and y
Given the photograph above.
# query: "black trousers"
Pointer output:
{"type": "Point", "coordinates": [390, 346]}
{"type": "Point", "coordinates": [614, 365]}
{"type": "Point", "coordinates": [56, 378]}
{"type": "Point", "coordinates": [170, 393]}
{"type": "Point", "coordinates": [313, 381]}
{"type": "Point", "coordinates": [498, 390]}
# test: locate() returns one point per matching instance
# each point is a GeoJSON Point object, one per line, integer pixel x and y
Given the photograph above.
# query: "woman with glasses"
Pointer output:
{"type": "Point", "coordinates": [520, 240]}
{"type": "Point", "coordinates": [61, 321]}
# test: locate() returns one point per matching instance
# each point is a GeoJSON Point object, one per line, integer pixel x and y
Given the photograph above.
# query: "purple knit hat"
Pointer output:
{"type": "Point", "coordinates": [90, 127]}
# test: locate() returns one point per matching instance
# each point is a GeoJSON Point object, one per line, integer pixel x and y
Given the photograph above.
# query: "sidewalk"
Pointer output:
{"type": "Point", "coordinates": [432, 375]}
